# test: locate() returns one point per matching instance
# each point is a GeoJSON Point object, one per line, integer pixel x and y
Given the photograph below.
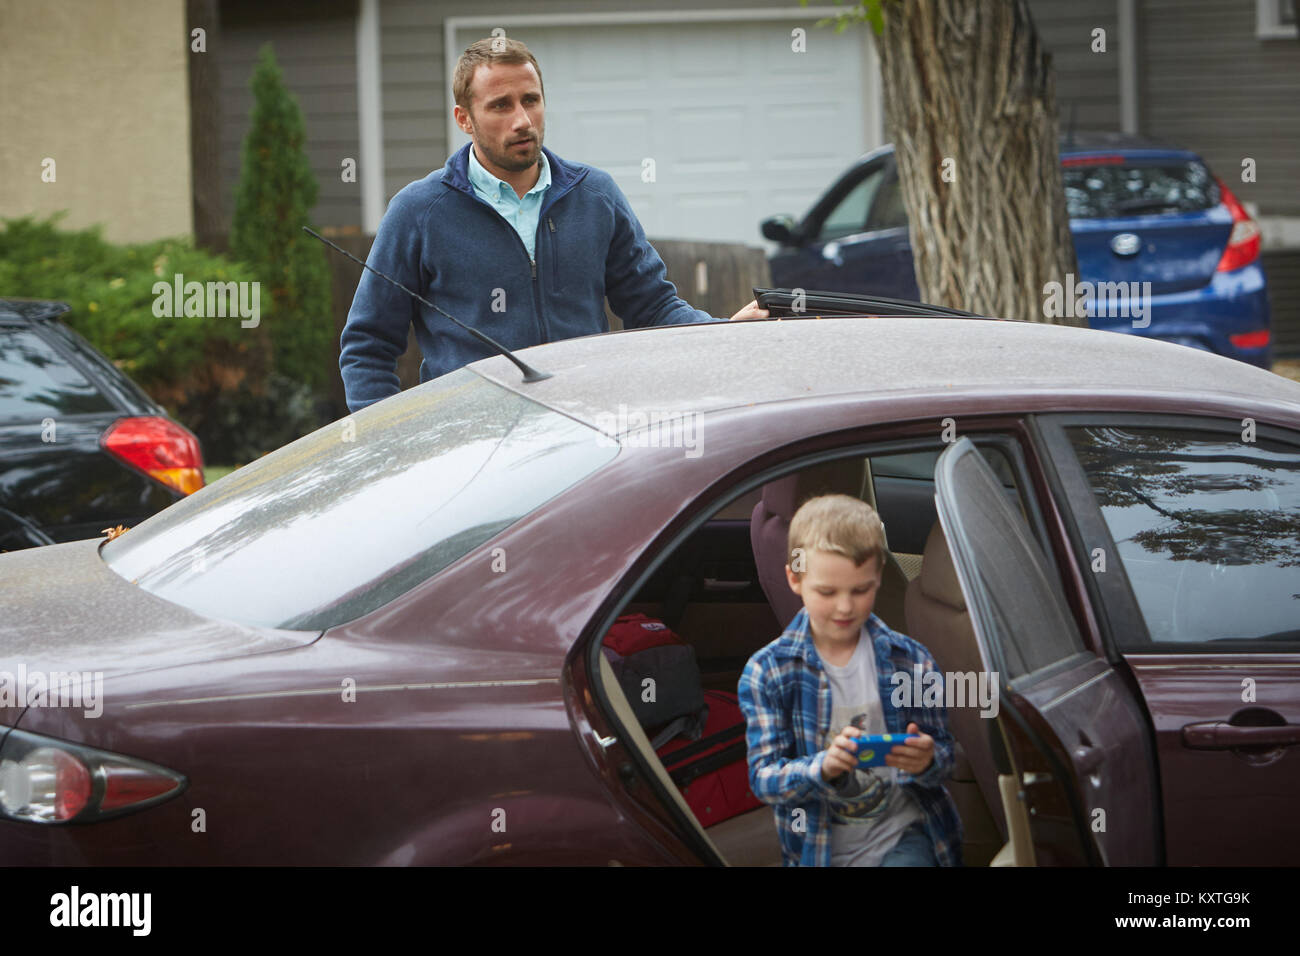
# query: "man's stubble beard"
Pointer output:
{"type": "Point", "coordinates": [518, 164]}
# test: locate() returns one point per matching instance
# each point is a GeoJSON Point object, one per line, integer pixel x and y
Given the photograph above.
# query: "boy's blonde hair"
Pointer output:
{"type": "Point", "coordinates": [840, 524]}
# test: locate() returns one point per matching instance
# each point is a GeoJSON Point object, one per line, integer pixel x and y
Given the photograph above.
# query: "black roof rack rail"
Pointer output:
{"type": "Point", "coordinates": [780, 304]}
{"type": "Point", "coordinates": [31, 310]}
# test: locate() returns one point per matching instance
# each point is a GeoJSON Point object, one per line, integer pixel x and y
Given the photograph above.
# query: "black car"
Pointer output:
{"type": "Point", "coordinates": [82, 448]}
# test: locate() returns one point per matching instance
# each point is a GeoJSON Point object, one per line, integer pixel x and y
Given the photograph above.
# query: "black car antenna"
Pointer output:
{"type": "Point", "coordinates": [530, 374]}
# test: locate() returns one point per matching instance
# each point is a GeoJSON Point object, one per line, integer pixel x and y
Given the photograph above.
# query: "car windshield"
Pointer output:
{"type": "Point", "coordinates": [1105, 188]}
{"type": "Point", "coordinates": [345, 519]}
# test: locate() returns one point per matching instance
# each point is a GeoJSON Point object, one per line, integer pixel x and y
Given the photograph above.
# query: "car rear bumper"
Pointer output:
{"type": "Point", "coordinates": [1232, 304]}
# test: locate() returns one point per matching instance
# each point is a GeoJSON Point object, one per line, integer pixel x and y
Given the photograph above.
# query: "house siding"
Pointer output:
{"type": "Point", "coordinates": [1282, 267]}
{"type": "Point", "coordinates": [1207, 83]}
{"type": "Point", "coordinates": [415, 71]}
{"type": "Point", "coordinates": [1086, 81]}
{"type": "Point", "coordinates": [317, 54]}
{"type": "Point", "coordinates": [109, 105]}
{"type": "Point", "coordinates": [1204, 82]}
{"type": "Point", "coordinates": [416, 74]}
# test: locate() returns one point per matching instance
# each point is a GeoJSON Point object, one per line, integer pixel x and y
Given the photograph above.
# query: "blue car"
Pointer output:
{"type": "Point", "coordinates": [1139, 213]}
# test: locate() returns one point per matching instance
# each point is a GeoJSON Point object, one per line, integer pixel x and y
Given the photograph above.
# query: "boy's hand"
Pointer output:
{"type": "Point", "coordinates": [915, 755]}
{"type": "Point", "coordinates": [842, 754]}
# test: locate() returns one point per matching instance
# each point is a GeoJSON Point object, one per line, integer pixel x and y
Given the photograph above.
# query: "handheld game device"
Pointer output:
{"type": "Point", "coordinates": [873, 749]}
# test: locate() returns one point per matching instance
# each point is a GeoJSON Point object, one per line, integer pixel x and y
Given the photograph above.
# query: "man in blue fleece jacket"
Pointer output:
{"type": "Point", "coordinates": [507, 237]}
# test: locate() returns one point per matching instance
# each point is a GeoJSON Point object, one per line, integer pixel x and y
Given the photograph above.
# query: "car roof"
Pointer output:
{"type": "Point", "coordinates": [1088, 141]}
{"type": "Point", "coordinates": [31, 309]}
{"type": "Point", "coordinates": [684, 369]}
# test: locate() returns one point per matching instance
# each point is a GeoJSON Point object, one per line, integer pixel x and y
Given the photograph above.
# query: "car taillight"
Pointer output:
{"type": "Point", "coordinates": [1243, 242]}
{"type": "Point", "coordinates": [160, 448]}
{"type": "Point", "coordinates": [1251, 340]}
{"type": "Point", "coordinates": [43, 780]}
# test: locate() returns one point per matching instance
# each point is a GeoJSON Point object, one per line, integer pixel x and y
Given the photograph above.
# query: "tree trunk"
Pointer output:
{"type": "Point", "coordinates": [210, 227]}
{"type": "Point", "coordinates": [970, 104]}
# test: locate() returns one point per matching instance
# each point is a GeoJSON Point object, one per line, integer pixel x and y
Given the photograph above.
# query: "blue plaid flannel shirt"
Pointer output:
{"type": "Point", "coordinates": [786, 699]}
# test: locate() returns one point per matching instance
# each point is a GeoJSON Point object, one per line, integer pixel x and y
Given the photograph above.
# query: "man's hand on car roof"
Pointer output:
{"type": "Point", "coordinates": [751, 311]}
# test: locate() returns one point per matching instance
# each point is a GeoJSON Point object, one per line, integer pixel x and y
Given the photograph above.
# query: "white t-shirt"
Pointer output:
{"type": "Point", "coordinates": [866, 825]}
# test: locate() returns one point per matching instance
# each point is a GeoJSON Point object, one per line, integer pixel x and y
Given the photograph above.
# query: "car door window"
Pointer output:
{"type": "Point", "coordinates": [1026, 606]}
{"type": "Point", "coordinates": [1207, 527]}
{"type": "Point", "coordinates": [904, 489]}
{"type": "Point", "coordinates": [848, 216]}
{"type": "Point", "coordinates": [920, 465]}
{"type": "Point", "coordinates": [888, 211]}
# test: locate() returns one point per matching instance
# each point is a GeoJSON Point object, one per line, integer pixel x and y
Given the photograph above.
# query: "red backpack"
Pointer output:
{"type": "Point", "coordinates": [657, 671]}
{"type": "Point", "coordinates": [699, 735]}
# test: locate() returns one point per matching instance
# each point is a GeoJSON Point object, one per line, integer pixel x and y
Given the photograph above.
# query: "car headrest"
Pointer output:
{"type": "Point", "coordinates": [842, 477]}
{"type": "Point", "coordinates": [938, 580]}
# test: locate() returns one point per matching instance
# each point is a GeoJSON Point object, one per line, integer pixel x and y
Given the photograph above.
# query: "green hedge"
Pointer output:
{"type": "Point", "coordinates": [110, 289]}
{"type": "Point", "coordinates": [212, 374]}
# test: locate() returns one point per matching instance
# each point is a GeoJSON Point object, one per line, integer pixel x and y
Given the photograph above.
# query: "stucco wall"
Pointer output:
{"type": "Point", "coordinates": [100, 87]}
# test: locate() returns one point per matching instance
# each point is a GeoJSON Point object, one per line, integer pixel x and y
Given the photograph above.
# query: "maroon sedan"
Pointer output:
{"type": "Point", "coordinates": [382, 644]}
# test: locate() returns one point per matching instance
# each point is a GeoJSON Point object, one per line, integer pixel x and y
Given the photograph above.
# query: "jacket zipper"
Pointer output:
{"type": "Point", "coordinates": [532, 263]}
{"type": "Point", "coordinates": [555, 257]}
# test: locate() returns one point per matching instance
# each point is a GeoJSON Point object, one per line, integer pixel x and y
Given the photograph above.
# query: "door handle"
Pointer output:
{"type": "Point", "coordinates": [1221, 735]}
{"type": "Point", "coordinates": [717, 584]}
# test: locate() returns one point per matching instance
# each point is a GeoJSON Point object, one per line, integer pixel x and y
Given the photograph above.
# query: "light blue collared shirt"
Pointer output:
{"type": "Point", "coordinates": [522, 213]}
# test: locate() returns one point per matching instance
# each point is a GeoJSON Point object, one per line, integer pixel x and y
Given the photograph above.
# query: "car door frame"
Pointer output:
{"type": "Point", "coordinates": [874, 248]}
{"type": "Point", "coordinates": [618, 757]}
{"type": "Point", "coordinates": [1052, 705]}
{"type": "Point", "coordinates": [1112, 593]}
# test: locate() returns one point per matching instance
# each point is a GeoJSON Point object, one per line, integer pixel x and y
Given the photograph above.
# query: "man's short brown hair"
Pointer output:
{"type": "Point", "coordinates": [840, 524]}
{"type": "Point", "coordinates": [490, 50]}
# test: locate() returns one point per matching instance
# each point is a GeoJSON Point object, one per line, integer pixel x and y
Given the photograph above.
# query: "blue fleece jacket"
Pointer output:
{"type": "Point", "coordinates": [444, 242]}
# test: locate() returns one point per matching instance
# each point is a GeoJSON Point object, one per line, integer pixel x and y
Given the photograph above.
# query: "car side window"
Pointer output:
{"type": "Point", "coordinates": [903, 484]}
{"type": "Point", "coordinates": [1011, 566]}
{"type": "Point", "coordinates": [888, 211]}
{"type": "Point", "coordinates": [37, 382]}
{"type": "Point", "coordinates": [920, 464]}
{"type": "Point", "coordinates": [1207, 527]}
{"type": "Point", "coordinates": [849, 216]}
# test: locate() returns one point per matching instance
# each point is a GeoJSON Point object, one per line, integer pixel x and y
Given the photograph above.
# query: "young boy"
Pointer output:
{"type": "Point", "coordinates": [832, 668]}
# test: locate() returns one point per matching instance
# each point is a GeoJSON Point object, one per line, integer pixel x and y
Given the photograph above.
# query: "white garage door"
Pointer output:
{"type": "Point", "coordinates": [738, 126]}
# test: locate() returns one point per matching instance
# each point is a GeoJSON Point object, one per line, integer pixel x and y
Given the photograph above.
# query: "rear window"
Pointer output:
{"type": "Point", "coordinates": [357, 513]}
{"type": "Point", "coordinates": [1110, 190]}
{"type": "Point", "coordinates": [37, 382]}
